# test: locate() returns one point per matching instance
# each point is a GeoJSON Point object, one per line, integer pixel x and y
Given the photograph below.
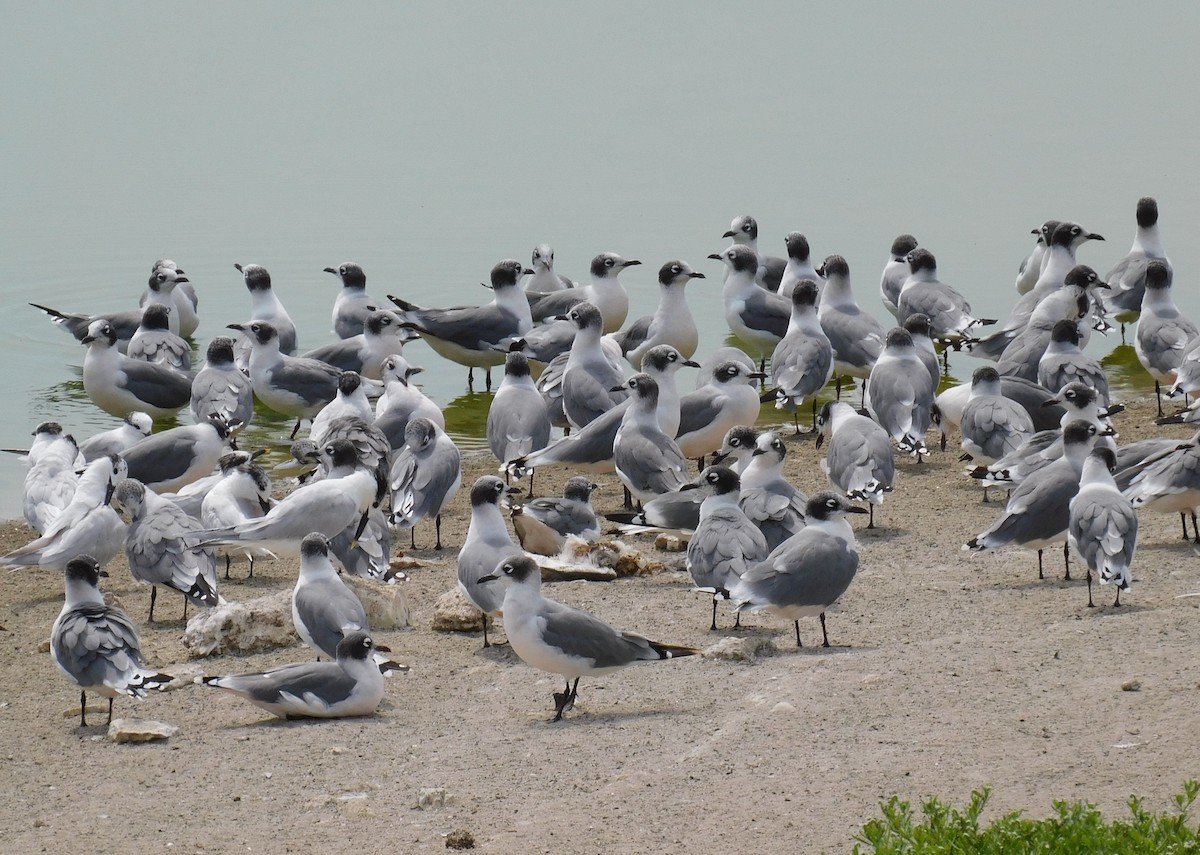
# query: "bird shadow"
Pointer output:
{"type": "Point", "coordinates": [582, 717]}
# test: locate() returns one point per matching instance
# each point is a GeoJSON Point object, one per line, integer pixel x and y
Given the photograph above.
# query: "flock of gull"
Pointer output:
{"type": "Point", "coordinates": [377, 459]}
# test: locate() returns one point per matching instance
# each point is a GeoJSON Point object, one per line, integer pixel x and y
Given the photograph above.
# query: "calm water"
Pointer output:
{"type": "Point", "coordinates": [429, 143]}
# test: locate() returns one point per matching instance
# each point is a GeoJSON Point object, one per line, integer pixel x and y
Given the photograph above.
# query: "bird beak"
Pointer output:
{"type": "Point", "coordinates": [179, 279]}
{"type": "Point", "coordinates": [560, 318]}
{"type": "Point", "coordinates": [241, 327]}
{"type": "Point", "coordinates": [87, 339]}
{"type": "Point", "coordinates": [719, 458]}
{"type": "Point", "coordinates": [695, 275]}
{"type": "Point", "coordinates": [631, 263]}
{"type": "Point", "coordinates": [108, 492]}
{"type": "Point", "coordinates": [331, 270]}
{"type": "Point", "coordinates": [103, 574]}
{"type": "Point", "coordinates": [855, 509]}
{"type": "Point", "coordinates": [690, 363]}
{"type": "Point", "coordinates": [1094, 236]}
{"type": "Point", "coordinates": [756, 452]}
{"type": "Point", "coordinates": [729, 234]}
{"type": "Point", "coordinates": [1052, 402]}
{"type": "Point", "coordinates": [491, 577]}
{"type": "Point", "coordinates": [819, 443]}
{"type": "Point", "coordinates": [486, 285]}
{"type": "Point", "coordinates": [1103, 285]}
{"type": "Point", "coordinates": [617, 388]}
{"type": "Point", "coordinates": [513, 491]}
{"type": "Point", "coordinates": [715, 257]}
{"type": "Point", "coordinates": [381, 648]}
{"type": "Point", "coordinates": [528, 271]}
{"type": "Point", "coordinates": [757, 375]}
{"type": "Point", "coordinates": [593, 486]}
{"type": "Point", "coordinates": [1108, 431]}
{"type": "Point", "coordinates": [238, 266]}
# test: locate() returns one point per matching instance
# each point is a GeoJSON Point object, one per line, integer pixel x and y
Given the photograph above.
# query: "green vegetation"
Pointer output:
{"type": "Point", "coordinates": [1076, 828]}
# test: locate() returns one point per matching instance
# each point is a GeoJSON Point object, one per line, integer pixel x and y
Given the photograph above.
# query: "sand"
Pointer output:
{"type": "Point", "coordinates": [946, 673]}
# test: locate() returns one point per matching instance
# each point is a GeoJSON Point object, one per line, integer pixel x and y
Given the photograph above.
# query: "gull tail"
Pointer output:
{"type": "Point", "coordinates": [672, 651]}
{"type": "Point", "coordinates": [144, 680]}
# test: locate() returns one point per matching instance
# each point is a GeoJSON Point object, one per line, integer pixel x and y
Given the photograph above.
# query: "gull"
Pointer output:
{"type": "Point", "coordinates": [680, 511]}
{"type": "Point", "coordinates": [591, 449]}
{"type": "Point", "coordinates": [424, 477]}
{"type": "Point", "coordinates": [487, 543]}
{"type": "Point", "coordinates": [266, 308]}
{"type": "Point", "coordinates": [895, 273]}
{"type": "Point", "coordinates": [1064, 362]}
{"type": "Point", "coordinates": [86, 525]}
{"type": "Point", "coordinates": [343, 496]}
{"type": "Point", "coordinates": [153, 341]}
{"type": "Point", "coordinates": [799, 267]}
{"type": "Point", "coordinates": [756, 316]}
{"type": "Point", "coordinates": [992, 424]}
{"type": "Point", "coordinates": [289, 385]}
{"type": "Point", "coordinates": [382, 335]}
{"type": "Point", "coordinates": [544, 280]}
{"type": "Point", "coordinates": [1031, 266]}
{"type": "Point", "coordinates": [51, 480]}
{"type": "Point", "coordinates": [1037, 401]}
{"type": "Point", "coordinates": [544, 525]}
{"type": "Point", "coordinates": [184, 302]}
{"type": "Point", "coordinates": [469, 335]}
{"type": "Point", "coordinates": [948, 311]}
{"type": "Point", "coordinates": [1038, 511]}
{"type": "Point", "coordinates": [159, 550]}
{"type": "Point", "coordinates": [767, 498]}
{"type": "Point", "coordinates": [167, 462]}
{"type": "Point", "coordinates": [123, 323]}
{"type": "Point", "coordinates": [120, 385]}
{"type": "Point", "coordinates": [549, 340]}
{"type": "Point", "coordinates": [324, 610]}
{"type": "Point", "coordinates": [1102, 526]}
{"type": "Point", "coordinates": [808, 573]}
{"type": "Point", "coordinates": [672, 322]}
{"type": "Point", "coordinates": [403, 401]}
{"type": "Point", "coordinates": [350, 400]}
{"type": "Point", "coordinates": [517, 421]}
{"type": "Point", "coordinates": [1059, 260]}
{"type": "Point", "coordinates": [191, 497]}
{"type": "Point", "coordinates": [706, 415]}
{"type": "Point", "coordinates": [241, 493]}
{"type": "Point", "coordinates": [590, 386]}
{"type": "Point", "coordinates": [353, 305]}
{"type": "Point", "coordinates": [220, 387]}
{"type": "Point", "coordinates": [769, 269]}
{"type": "Point", "coordinates": [134, 428]}
{"type": "Point", "coordinates": [95, 645]}
{"type": "Point", "coordinates": [856, 337]}
{"type": "Point", "coordinates": [900, 393]}
{"type": "Point", "coordinates": [726, 542]}
{"type": "Point", "coordinates": [648, 462]}
{"type": "Point", "coordinates": [717, 358]}
{"type": "Point", "coordinates": [802, 362]}
{"type": "Point", "coordinates": [1128, 276]}
{"type": "Point", "coordinates": [1168, 481]}
{"type": "Point", "coordinates": [352, 685]}
{"type": "Point", "coordinates": [605, 292]}
{"type": "Point", "coordinates": [1164, 335]}
{"type": "Point", "coordinates": [1072, 301]}
{"type": "Point", "coordinates": [1079, 402]}
{"type": "Point", "coordinates": [859, 462]}
{"type": "Point", "coordinates": [561, 639]}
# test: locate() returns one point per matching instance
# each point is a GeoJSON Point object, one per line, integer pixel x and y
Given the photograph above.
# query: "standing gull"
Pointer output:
{"type": "Point", "coordinates": [487, 542]}
{"type": "Point", "coordinates": [469, 335]}
{"type": "Point", "coordinates": [168, 461]}
{"type": "Point", "coordinates": [153, 341]}
{"type": "Point", "coordinates": [672, 322]}
{"type": "Point", "coordinates": [768, 269]}
{"type": "Point", "coordinates": [728, 399]}
{"type": "Point", "coordinates": [768, 499]}
{"type": "Point", "coordinates": [124, 323]}
{"type": "Point", "coordinates": [134, 428]}
{"type": "Point", "coordinates": [859, 461]}
{"type": "Point", "coordinates": [425, 476]}
{"type": "Point", "coordinates": [1064, 362]}
{"type": "Point", "coordinates": [808, 573]}
{"type": "Point", "coordinates": [605, 292]}
{"type": "Point", "coordinates": [856, 337]}
{"type": "Point", "coordinates": [895, 273]}
{"type": "Point", "coordinates": [96, 645]}
{"type": "Point", "coordinates": [290, 385]}
{"type": "Point", "coordinates": [220, 386]}
{"type": "Point", "coordinates": [120, 385]}
{"type": "Point", "coordinates": [517, 421]}
{"type": "Point", "coordinates": [544, 525]}
{"type": "Point", "coordinates": [992, 424]}
{"type": "Point", "coordinates": [265, 307]}
{"type": "Point", "coordinates": [1127, 279]}
{"type": "Point", "coordinates": [948, 311]}
{"type": "Point", "coordinates": [1103, 526]}
{"type": "Point", "coordinates": [590, 385]}
{"type": "Point", "coordinates": [756, 316]}
{"type": "Point", "coordinates": [353, 305]}
{"type": "Point", "coordinates": [1031, 267]}
{"type": "Point", "coordinates": [802, 362]}
{"type": "Point", "coordinates": [1163, 333]}
{"type": "Point", "coordinates": [382, 335]}
{"type": "Point", "coordinates": [241, 493]}
{"type": "Point", "coordinates": [900, 393]}
{"type": "Point", "coordinates": [544, 279]}
{"type": "Point", "coordinates": [799, 267]}
{"type": "Point", "coordinates": [648, 462]}
{"type": "Point", "coordinates": [561, 639]}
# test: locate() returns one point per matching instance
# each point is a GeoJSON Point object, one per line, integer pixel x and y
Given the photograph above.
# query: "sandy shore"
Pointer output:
{"type": "Point", "coordinates": [946, 674]}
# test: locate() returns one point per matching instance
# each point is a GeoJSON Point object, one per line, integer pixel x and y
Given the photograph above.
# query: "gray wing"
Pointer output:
{"type": "Point", "coordinates": [943, 305]}
{"type": "Point", "coordinates": [158, 555]}
{"type": "Point", "coordinates": [369, 554]}
{"type": "Point", "coordinates": [517, 425]}
{"type": "Point", "coordinates": [1055, 372]}
{"type": "Point", "coordinates": [157, 385]}
{"type": "Point", "coordinates": [893, 398]}
{"type": "Point", "coordinates": [1104, 529]}
{"type": "Point", "coordinates": [801, 364]}
{"type": "Point", "coordinates": [654, 464]}
{"type": "Point", "coordinates": [161, 457]}
{"type": "Point", "coordinates": [857, 457]}
{"type": "Point", "coordinates": [812, 569]}
{"type": "Point", "coordinates": [776, 509]}
{"type": "Point", "coordinates": [226, 392]}
{"type": "Point", "coordinates": [578, 633]}
{"type": "Point", "coordinates": [549, 340]}
{"type": "Point", "coordinates": [856, 337]}
{"type": "Point", "coordinates": [326, 611]}
{"type": "Point", "coordinates": [722, 548]}
{"type": "Point", "coordinates": [161, 346]}
{"type": "Point", "coordinates": [543, 306]}
{"type": "Point", "coordinates": [345, 355]}
{"type": "Point", "coordinates": [470, 327]}
{"type": "Point", "coordinates": [310, 379]}
{"type": "Point", "coordinates": [768, 312]}
{"type": "Point", "coordinates": [1021, 357]}
{"type": "Point", "coordinates": [699, 409]}
{"type": "Point", "coordinates": [324, 680]}
{"type": "Point", "coordinates": [635, 336]}
{"type": "Point", "coordinates": [679, 510]}
{"type": "Point", "coordinates": [1163, 341]}
{"type": "Point", "coordinates": [1039, 508]}
{"type": "Point", "coordinates": [420, 484]}
{"type": "Point", "coordinates": [996, 425]}
{"type": "Point", "coordinates": [565, 516]}
{"type": "Point", "coordinates": [97, 646]}
{"type": "Point", "coordinates": [589, 446]}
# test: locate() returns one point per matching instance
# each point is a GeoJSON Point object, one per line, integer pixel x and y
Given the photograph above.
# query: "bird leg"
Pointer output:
{"type": "Point", "coordinates": [628, 499]}
{"type": "Point", "coordinates": [1117, 604]}
{"type": "Point", "coordinates": [1183, 521]}
{"type": "Point", "coordinates": [296, 429]}
{"type": "Point", "coordinates": [185, 601]}
{"type": "Point", "coordinates": [110, 700]}
{"type": "Point", "coordinates": [799, 643]}
{"type": "Point", "coordinates": [1067, 560]}
{"type": "Point", "coordinates": [871, 518]}
{"type": "Point", "coordinates": [470, 379]}
{"type": "Point", "coordinates": [824, 634]}
{"type": "Point", "coordinates": [564, 701]}
{"type": "Point", "coordinates": [82, 708]}
{"type": "Point", "coordinates": [796, 422]}
{"type": "Point", "coordinates": [487, 376]}
{"type": "Point", "coordinates": [700, 463]}
{"type": "Point", "coordinates": [251, 558]}
{"type": "Point", "coordinates": [737, 619]}
{"type": "Point", "coordinates": [837, 385]}
{"type": "Point", "coordinates": [714, 619]}
{"type": "Point", "coordinates": [1092, 605]}
{"type": "Point", "coordinates": [437, 525]}
{"type": "Point", "coordinates": [532, 472]}
{"type": "Point", "coordinates": [412, 536]}
{"type": "Point", "coordinates": [227, 561]}
{"type": "Point", "coordinates": [153, 597]}
{"type": "Point", "coordinates": [1040, 574]}
{"type": "Point", "coordinates": [1158, 398]}
{"type": "Point", "coordinates": [814, 421]}
{"type": "Point", "coordinates": [486, 643]}
{"type": "Point", "coordinates": [1194, 528]}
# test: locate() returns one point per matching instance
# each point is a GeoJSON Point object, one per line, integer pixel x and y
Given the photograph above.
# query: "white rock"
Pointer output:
{"type": "Point", "coordinates": [255, 625]}
{"type": "Point", "coordinates": [139, 730]}
{"type": "Point", "coordinates": [386, 605]}
{"type": "Point", "coordinates": [454, 613]}
{"type": "Point", "coordinates": [739, 649]}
